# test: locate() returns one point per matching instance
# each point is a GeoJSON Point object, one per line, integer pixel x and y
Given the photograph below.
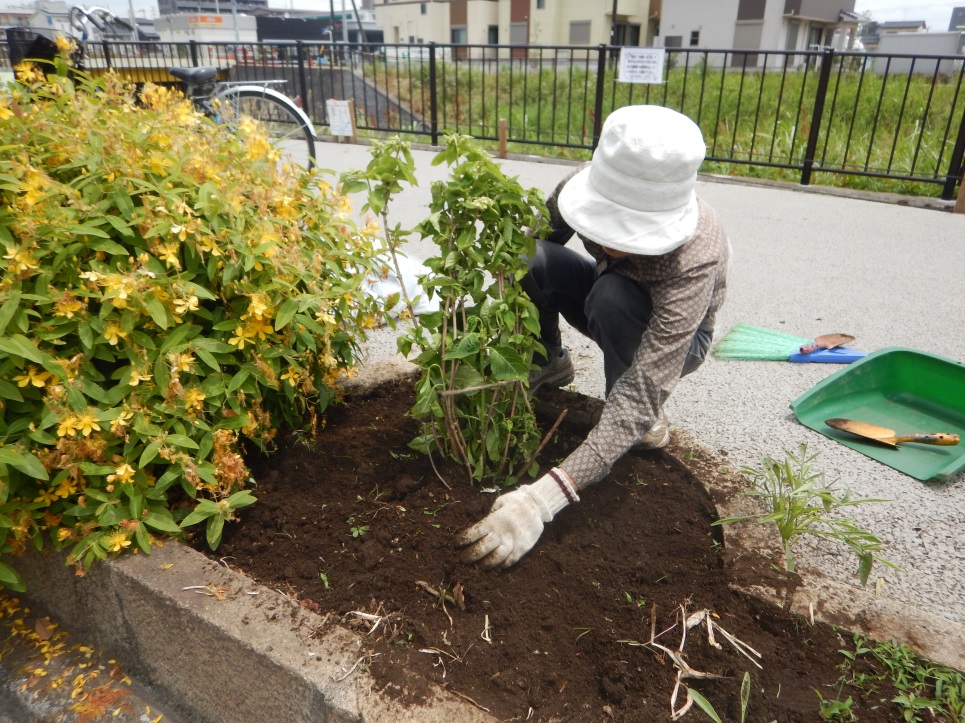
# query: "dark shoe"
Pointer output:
{"type": "Point", "coordinates": [658, 436]}
{"type": "Point", "coordinates": [558, 372]}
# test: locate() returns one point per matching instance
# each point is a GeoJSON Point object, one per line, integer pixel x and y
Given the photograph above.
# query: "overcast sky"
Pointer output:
{"type": "Point", "coordinates": [936, 13]}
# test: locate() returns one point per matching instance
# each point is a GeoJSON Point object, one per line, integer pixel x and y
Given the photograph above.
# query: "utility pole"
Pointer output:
{"type": "Point", "coordinates": [613, 24]}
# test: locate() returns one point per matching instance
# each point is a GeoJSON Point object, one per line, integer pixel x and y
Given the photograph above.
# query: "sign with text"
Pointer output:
{"type": "Point", "coordinates": [339, 117]}
{"type": "Point", "coordinates": [641, 65]}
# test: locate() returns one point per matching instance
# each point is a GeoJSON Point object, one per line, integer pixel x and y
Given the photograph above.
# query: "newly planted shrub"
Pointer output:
{"type": "Point", "coordinates": [168, 290]}
{"type": "Point", "coordinates": [477, 350]}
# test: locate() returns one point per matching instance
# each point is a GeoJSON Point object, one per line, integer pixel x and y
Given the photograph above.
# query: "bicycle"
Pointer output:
{"type": "Point", "coordinates": [226, 102]}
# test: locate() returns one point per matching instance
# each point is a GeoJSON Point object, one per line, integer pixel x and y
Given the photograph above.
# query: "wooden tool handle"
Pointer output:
{"type": "Point", "coordinates": [941, 439]}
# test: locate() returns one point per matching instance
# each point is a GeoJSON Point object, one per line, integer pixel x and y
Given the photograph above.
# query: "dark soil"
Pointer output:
{"type": "Point", "coordinates": [361, 523]}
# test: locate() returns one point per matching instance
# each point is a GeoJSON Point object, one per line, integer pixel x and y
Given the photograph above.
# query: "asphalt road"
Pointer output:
{"type": "Point", "coordinates": [804, 263]}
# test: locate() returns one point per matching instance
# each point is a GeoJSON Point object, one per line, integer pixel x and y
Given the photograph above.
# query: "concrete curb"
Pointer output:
{"type": "Point", "coordinates": [215, 646]}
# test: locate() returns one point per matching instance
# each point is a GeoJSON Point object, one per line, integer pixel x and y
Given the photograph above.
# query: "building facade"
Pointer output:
{"type": "Point", "coordinates": [516, 22]}
{"type": "Point", "coordinates": [758, 25]}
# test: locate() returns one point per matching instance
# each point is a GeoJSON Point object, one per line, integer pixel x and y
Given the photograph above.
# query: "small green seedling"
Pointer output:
{"type": "Point", "coordinates": [801, 504]}
{"type": "Point", "coordinates": [356, 530]}
{"type": "Point", "coordinates": [324, 578]}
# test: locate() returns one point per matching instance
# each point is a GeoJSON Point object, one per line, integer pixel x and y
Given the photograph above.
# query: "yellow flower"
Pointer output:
{"type": "Point", "coordinates": [209, 244]}
{"type": "Point", "coordinates": [23, 260]}
{"type": "Point", "coordinates": [119, 422]}
{"type": "Point", "coordinates": [67, 425]}
{"type": "Point", "coordinates": [259, 307]}
{"type": "Point", "coordinates": [113, 333]}
{"type": "Point", "coordinates": [258, 329]}
{"type": "Point", "coordinates": [65, 489]}
{"type": "Point", "coordinates": [33, 376]}
{"type": "Point", "coordinates": [169, 254]}
{"type": "Point", "coordinates": [194, 400]}
{"type": "Point", "coordinates": [87, 423]}
{"type": "Point", "coordinates": [63, 533]}
{"type": "Point", "coordinates": [46, 496]}
{"type": "Point", "coordinates": [292, 376]}
{"type": "Point", "coordinates": [116, 541]}
{"type": "Point", "coordinates": [27, 72]}
{"type": "Point", "coordinates": [65, 44]}
{"type": "Point", "coordinates": [240, 339]}
{"type": "Point", "coordinates": [183, 306]}
{"type": "Point", "coordinates": [67, 306]}
{"type": "Point", "coordinates": [181, 362]}
{"type": "Point", "coordinates": [137, 377]}
{"type": "Point", "coordinates": [124, 473]}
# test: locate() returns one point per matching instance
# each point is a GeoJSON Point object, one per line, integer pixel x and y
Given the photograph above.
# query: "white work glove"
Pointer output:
{"type": "Point", "coordinates": [516, 521]}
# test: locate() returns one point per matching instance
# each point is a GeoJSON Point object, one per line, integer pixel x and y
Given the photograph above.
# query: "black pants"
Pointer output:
{"type": "Point", "coordinates": [610, 309]}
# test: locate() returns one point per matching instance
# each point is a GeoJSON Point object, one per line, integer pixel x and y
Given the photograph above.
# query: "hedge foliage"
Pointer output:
{"type": "Point", "coordinates": [169, 290]}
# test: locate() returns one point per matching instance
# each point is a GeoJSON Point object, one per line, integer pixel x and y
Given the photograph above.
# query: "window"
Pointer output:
{"type": "Point", "coordinates": [458, 35]}
{"type": "Point", "coordinates": [423, 8]}
{"type": "Point", "coordinates": [518, 33]}
{"type": "Point", "coordinates": [492, 35]}
{"type": "Point", "coordinates": [540, 4]}
{"type": "Point", "coordinates": [673, 41]}
{"type": "Point", "coordinates": [694, 38]}
{"type": "Point", "coordinates": [579, 32]}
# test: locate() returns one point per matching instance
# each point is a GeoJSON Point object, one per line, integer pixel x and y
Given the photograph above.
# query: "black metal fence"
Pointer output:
{"type": "Point", "coordinates": [798, 114]}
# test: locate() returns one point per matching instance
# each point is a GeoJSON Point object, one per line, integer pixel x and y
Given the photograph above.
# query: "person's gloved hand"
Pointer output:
{"type": "Point", "coordinates": [516, 521]}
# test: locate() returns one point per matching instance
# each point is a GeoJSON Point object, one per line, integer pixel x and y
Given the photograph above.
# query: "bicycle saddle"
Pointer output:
{"type": "Point", "coordinates": [194, 76]}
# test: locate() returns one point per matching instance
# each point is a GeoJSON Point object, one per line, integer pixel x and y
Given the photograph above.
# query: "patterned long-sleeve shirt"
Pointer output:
{"type": "Point", "coordinates": [687, 288]}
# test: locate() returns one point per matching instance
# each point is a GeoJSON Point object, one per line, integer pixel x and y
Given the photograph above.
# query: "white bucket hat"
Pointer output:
{"type": "Point", "coordinates": [637, 196]}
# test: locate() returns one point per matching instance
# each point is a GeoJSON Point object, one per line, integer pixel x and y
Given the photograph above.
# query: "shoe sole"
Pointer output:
{"type": "Point", "coordinates": [560, 379]}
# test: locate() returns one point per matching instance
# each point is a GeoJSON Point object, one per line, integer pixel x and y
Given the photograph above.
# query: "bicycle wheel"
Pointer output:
{"type": "Point", "coordinates": [286, 123]}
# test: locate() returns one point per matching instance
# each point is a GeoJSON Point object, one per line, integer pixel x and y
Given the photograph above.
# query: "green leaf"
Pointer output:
{"type": "Point", "coordinates": [123, 202]}
{"type": "Point", "coordinates": [25, 462]}
{"type": "Point", "coordinates": [162, 520]}
{"type": "Point", "coordinates": [466, 346]}
{"type": "Point", "coordinates": [9, 308]}
{"type": "Point", "coordinates": [148, 455]}
{"type": "Point", "coordinates": [22, 347]}
{"type": "Point", "coordinates": [234, 422]}
{"type": "Point", "coordinates": [238, 379]}
{"type": "Point", "coordinates": [156, 309]}
{"type": "Point", "coordinates": [214, 530]}
{"type": "Point", "coordinates": [285, 313]}
{"type": "Point", "coordinates": [182, 441]}
{"type": "Point", "coordinates": [705, 705]}
{"type": "Point", "coordinates": [204, 510]}
{"type": "Point", "coordinates": [241, 499]}
{"type": "Point", "coordinates": [119, 226]}
{"type": "Point", "coordinates": [10, 391]}
{"type": "Point", "coordinates": [10, 578]}
{"type": "Point", "coordinates": [506, 364]}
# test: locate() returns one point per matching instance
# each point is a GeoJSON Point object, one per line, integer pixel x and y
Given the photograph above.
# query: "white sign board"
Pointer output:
{"type": "Point", "coordinates": [641, 65]}
{"type": "Point", "coordinates": [339, 118]}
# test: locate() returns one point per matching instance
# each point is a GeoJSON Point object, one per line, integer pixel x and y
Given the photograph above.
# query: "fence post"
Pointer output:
{"type": "Point", "coordinates": [598, 102]}
{"type": "Point", "coordinates": [302, 81]}
{"type": "Point", "coordinates": [193, 44]}
{"type": "Point", "coordinates": [955, 169]}
{"type": "Point", "coordinates": [433, 97]}
{"type": "Point", "coordinates": [107, 54]}
{"type": "Point", "coordinates": [827, 58]}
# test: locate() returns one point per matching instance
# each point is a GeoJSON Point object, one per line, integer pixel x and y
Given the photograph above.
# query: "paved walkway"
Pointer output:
{"type": "Point", "coordinates": [805, 263]}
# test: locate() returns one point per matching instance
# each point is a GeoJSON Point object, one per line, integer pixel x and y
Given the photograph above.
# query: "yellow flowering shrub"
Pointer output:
{"type": "Point", "coordinates": [168, 290]}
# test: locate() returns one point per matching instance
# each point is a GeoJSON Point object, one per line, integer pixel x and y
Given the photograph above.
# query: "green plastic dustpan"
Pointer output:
{"type": "Point", "coordinates": [902, 389]}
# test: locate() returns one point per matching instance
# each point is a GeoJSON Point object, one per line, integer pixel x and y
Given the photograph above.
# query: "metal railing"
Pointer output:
{"type": "Point", "coordinates": [797, 113]}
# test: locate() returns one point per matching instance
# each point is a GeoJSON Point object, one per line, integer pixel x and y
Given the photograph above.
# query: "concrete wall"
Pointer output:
{"type": "Point", "coordinates": [206, 29]}
{"type": "Point", "coordinates": [715, 22]}
{"type": "Point", "coordinates": [921, 44]}
{"type": "Point", "coordinates": [402, 21]}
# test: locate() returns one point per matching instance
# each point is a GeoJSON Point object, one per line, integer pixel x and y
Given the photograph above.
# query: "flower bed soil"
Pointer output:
{"type": "Point", "coordinates": [562, 623]}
